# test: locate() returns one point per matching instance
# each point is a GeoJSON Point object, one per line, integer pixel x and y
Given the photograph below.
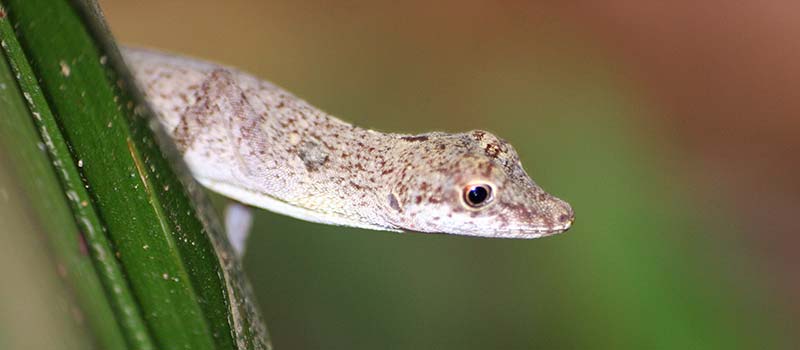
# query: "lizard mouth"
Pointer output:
{"type": "Point", "coordinates": [535, 233]}
{"type": "Point", "coordinates": [563, 223]}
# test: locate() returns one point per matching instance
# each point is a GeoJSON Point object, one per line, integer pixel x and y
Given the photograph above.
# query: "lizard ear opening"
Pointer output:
{"type": "Point", "coordinates": [477, 195]}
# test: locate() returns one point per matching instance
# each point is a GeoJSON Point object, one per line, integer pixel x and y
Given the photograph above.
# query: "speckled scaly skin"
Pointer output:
{"type": "Point", "coordinates": [254, 142]}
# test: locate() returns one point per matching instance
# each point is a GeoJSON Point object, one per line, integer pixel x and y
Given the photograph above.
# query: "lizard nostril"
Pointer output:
{"type": "Point", "coordinates": [567, 218]}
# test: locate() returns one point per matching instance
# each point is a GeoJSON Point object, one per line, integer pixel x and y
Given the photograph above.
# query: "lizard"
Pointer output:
{"type": "Point", "coordinates": [258, 144]}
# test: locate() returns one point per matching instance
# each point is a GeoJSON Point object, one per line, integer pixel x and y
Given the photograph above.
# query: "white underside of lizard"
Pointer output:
{"type": "Point", "coordinates": [265, 201]}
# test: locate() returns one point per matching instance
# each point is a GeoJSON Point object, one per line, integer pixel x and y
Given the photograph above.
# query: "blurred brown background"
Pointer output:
{"type": "Point", "coordinates": [726, 78]}
{"type": "Point", "coordinates": [677, 109]}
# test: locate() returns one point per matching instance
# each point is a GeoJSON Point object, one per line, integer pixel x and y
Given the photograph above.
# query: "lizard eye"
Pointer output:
{"type": "Point", "coordinates": [478, 195]}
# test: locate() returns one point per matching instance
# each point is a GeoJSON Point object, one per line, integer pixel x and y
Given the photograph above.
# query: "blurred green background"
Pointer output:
{"type": "Point", "coordinates": [669, 128]}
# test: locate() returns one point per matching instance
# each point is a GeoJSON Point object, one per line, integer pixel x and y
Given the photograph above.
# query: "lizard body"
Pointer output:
{"type": "Point", "coordinates": [254, 142]}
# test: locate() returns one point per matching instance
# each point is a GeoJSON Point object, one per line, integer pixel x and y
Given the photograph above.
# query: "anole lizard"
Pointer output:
{"type": "Point", "coordinates": [252, 141]}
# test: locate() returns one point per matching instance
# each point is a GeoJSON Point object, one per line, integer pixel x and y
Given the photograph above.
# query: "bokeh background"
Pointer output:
{"type": "Point", "coordinates": [671, 127]}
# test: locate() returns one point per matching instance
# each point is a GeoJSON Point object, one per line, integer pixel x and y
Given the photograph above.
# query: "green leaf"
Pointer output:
{"type": "Point", "coordinates": [161, 275]}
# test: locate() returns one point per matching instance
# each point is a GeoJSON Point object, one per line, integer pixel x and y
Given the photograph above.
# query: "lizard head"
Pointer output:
{"type": "Point", "coordinates": [472, 184]}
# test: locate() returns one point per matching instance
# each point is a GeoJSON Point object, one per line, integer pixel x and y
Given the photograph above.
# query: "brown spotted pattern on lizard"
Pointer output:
{"type": "Point", "coordinates": [254, 142]}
